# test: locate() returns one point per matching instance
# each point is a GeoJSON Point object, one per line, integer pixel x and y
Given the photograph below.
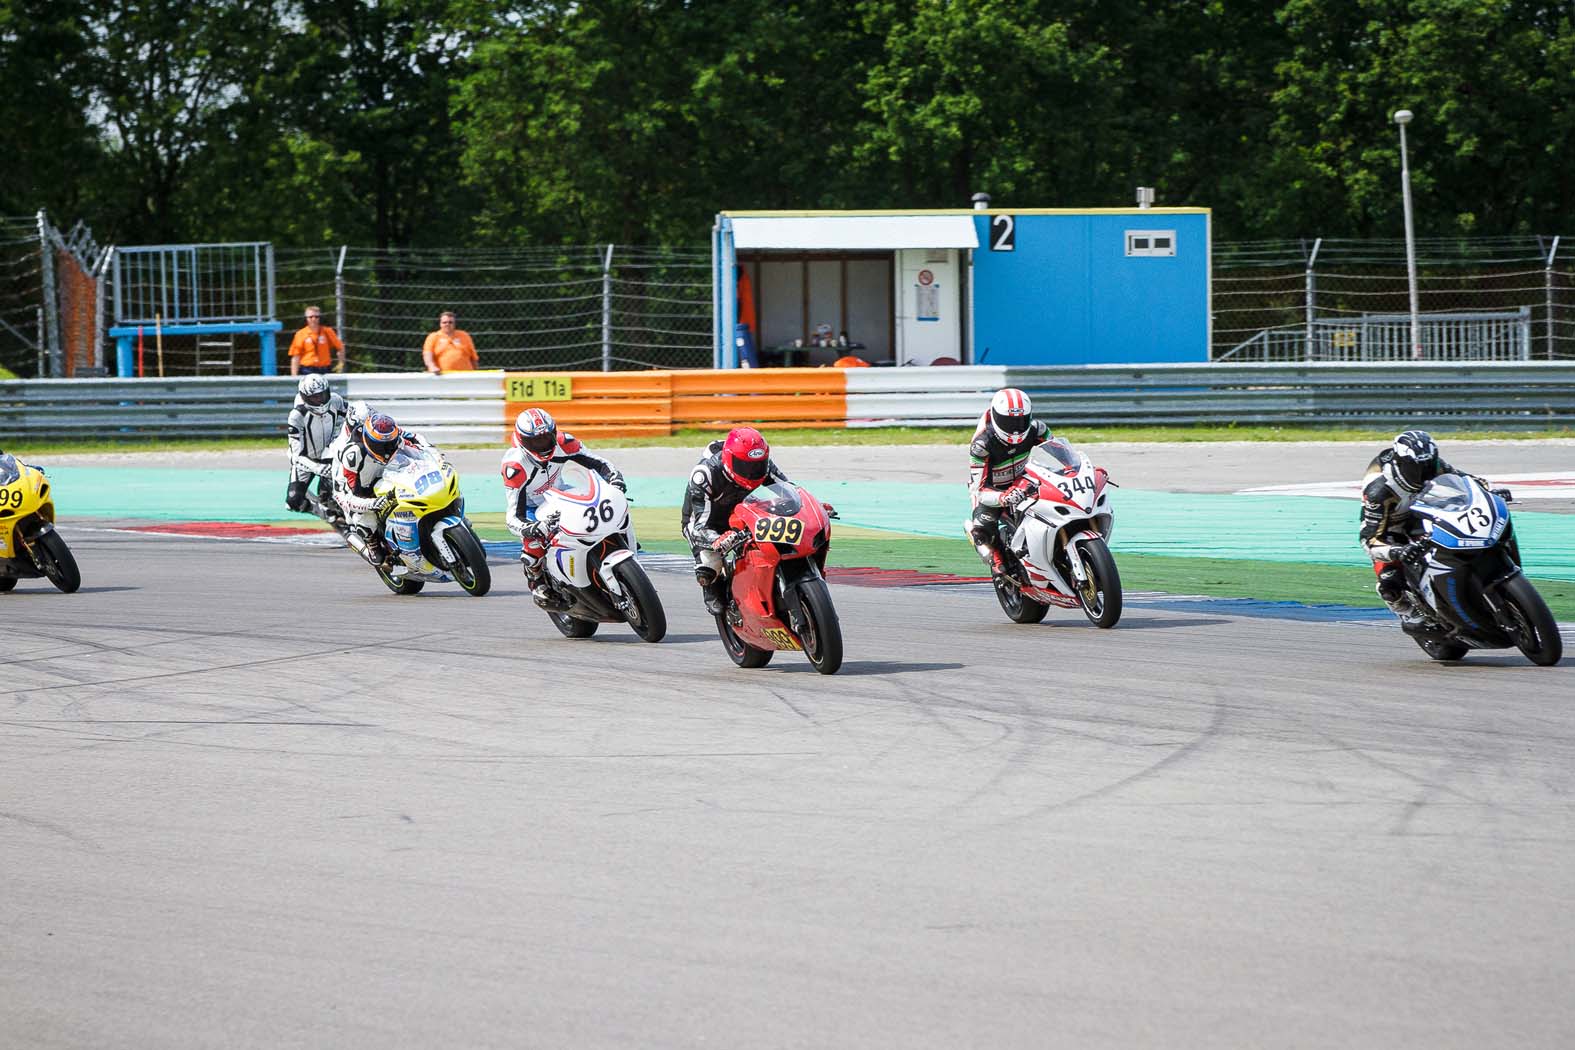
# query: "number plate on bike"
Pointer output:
{"type": "Point", "coordinates": [779, 530]}
{"type": "Point", "coordinates": [781, 637]}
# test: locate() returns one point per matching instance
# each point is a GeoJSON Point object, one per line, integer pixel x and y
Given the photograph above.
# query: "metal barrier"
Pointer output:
{"type": "Point", "coordinates": [1387, 337]}
{"type": "Point", "coordinates": [472, 407]}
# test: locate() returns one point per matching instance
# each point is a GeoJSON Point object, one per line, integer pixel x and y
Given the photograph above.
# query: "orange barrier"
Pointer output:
{"type": "Point", "coordinates": [629, 404]}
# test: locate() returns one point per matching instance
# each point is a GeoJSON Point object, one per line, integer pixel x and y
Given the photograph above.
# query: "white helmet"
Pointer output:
{"type": "Point", "coordinates": [1011, 415]}
{"type": "Point", "coordinates": [356, 414]}
{"type": "Point", "coordinates": [314, 393]}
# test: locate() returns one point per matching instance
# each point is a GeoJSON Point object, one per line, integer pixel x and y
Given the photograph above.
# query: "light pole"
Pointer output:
{"type": "Point", "coordinates": [1402, 117]}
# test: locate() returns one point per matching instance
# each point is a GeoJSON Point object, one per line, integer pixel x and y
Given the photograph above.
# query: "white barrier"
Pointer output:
{"type": "Point", "coordinates": [939, 396]}
{"type": "Point", "coordinates": [459, 408]}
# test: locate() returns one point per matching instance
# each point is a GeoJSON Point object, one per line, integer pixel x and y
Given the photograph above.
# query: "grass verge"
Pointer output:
{"type": "Point", "coordinates": [856, 436]}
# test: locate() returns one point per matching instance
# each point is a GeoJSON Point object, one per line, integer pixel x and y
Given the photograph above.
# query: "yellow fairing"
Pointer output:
{"type": "Point", "coordinates": [29, 494]}
{"type": "Point", "coordinates": [435, 498]}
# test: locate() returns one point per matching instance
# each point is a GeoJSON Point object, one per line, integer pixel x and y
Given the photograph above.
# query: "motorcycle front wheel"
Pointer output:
{"type": "Point", "coordinates": [1100, 596]}
{"type": "Point", "coordinates": [470, 562]}
{"type": "Point", "coordinates": [56, 562]}
{"type": "Point", "coordinates": [823, 634]}
{"type": "Point", "coordinates": [645, 614]}
{"type": "Point", "coordinates": [1535, 631]}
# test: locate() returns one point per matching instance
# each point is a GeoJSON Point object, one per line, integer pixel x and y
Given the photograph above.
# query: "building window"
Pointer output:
{"type": "Point", "coordinates": [1151, 242]}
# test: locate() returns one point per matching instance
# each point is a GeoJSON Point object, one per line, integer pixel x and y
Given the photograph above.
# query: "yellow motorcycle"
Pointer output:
{"type": "Point", "coordinates": [29, 545]}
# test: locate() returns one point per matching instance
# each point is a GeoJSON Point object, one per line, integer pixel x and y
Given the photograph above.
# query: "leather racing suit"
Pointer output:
{"type": "Point", "coordinates": [1385, 529]}
{"type": "Point", "coordinates": [525, 481]}
{"type": "Point", "coordinates": [355, 490]}
{"type": "Point", "coordinates": [994, 466]}
{"type": "Point", "coordinates": [310, 436]}
{"type": "Point", "coordinates": [709, 500]}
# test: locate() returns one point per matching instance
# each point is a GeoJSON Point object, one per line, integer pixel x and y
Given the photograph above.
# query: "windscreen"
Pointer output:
{"type": "Point", "coordinates": [1446, 493]}
{"type": "Point", "coordinates": [411, 459]}
{"type": "Point", "coordinates": [574, 480]}
{"type": "Point", "coordinates": [1056, 455]}
{"type": "Point", "coordinates": [775, 498]}
{"type": "Point", "coordinates": [9, 471]}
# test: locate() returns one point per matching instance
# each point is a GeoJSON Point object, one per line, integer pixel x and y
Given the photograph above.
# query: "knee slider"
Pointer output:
{"type": "Point", "coordinates": [295, 495]}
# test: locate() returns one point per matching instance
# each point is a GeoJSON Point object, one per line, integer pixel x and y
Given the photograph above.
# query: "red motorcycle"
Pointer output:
{"type": "Point", "coordinates": [777, 557]}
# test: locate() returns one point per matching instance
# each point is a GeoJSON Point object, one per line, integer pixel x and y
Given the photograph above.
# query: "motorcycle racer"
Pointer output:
{"type": "Point", "coordinates": [314, 422]}
{"type": "Point", "coordinates": [358, 463]}
{"type": "Point", "coordinates": [728, 472]}
{"type": "Point", "coordinates": [1394, 479]}
{"type": "Point", "coordinates": [530, 467]}
{"type": "Point", "coordinates": [998, 457]}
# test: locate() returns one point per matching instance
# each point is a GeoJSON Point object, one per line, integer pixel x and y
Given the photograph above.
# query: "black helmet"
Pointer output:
{"type": "Point", "coordinates": [1415, 459]}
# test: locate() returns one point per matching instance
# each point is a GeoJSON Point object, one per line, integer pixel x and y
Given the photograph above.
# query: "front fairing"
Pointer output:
{"type": "Point", "coordinates": [421, 482]}
{"type": "Point", "coordinates": [25, 500]}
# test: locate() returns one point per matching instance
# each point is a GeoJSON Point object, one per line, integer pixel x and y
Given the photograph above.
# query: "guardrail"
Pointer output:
{"type": "Point", "coordinates": [476, 407]}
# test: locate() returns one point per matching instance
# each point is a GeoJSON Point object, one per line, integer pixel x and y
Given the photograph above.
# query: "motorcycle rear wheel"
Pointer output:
{"type": "Point", "coordinates": [739, 651]}
{"type": "Point", "coordinates": [646, 615]}
{"type": "Point", "coordinates": [1101, 595]}
{"type": "Point", "coordinates": [823, 634]}
{"type": "Point", "coordinates": [1018, 607]}
{"type": "Point", "coordinates": [6, 583]}
{"type": "Point", "coordinates": [570, 627]}
{"type": "Point", "coordinates": [1536, 633]}
{"type": "Point", "coordinates": [1444, 652]}
{"type": "Point", "coordinates": [56, 562]}
{"type": "Point", "coordinates": [401, 584]}
{"type": "Point", "coordinates": [470, 562]}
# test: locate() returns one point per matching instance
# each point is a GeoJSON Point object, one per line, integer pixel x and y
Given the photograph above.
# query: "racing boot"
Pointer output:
{"type": "Point", "coordinates": [715, 594]}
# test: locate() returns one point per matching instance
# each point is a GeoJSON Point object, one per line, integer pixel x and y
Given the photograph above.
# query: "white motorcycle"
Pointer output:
{"type": "Point", "coordinates": [1055, 546]}
{"type": "Point", "coordinates": [591, 570]}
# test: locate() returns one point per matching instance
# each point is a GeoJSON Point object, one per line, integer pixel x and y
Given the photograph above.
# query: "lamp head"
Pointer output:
{"type": "Point", "coordinates": [1402, 116]}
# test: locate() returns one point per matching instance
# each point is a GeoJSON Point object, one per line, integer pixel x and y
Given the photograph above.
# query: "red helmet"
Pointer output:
{"type": "Point", "coordinates": [745, 457]}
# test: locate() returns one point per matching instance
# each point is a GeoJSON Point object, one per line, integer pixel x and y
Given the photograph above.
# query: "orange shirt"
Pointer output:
{"type": "Point", "coordinates": [452, 353]}
{"type": "Point", "coordinates": [315, 351]}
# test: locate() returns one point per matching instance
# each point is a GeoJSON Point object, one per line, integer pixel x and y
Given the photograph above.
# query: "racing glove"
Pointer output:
{"type": "Point", "coordinates": [1019, 494]}
{"type": "Point", "coordinates": [728, 542]}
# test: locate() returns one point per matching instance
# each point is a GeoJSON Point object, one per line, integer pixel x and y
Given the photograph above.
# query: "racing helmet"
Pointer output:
{"type": "Point", "coordinates": [536, 432]}
{"type": "Point", "coordinates": [380, 436]}
{"type": "Point", "coordinates": [1415, 460]}
{"type": "Point", "coordinates": [746, 457]}
{"type": "Point", "coordinates": [1011, 415]}
{"type": "Point", "coordinates": [355, 414]}
{"type": "Point", "coordinates": [314, 393]}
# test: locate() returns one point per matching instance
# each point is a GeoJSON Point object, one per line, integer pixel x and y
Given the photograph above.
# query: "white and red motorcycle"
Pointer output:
{"type": "Point", "coordinates": [591, 569]}
{"type": "Point", "coordinates": [1055, 545]}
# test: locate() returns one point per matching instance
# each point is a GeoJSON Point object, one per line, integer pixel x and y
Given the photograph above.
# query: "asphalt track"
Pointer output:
{"type": "Point", "coordinates": [249, 799]}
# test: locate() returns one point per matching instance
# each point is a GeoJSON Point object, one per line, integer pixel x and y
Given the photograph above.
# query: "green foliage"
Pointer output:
{"type": "Point", "coordinates": [445, 122]}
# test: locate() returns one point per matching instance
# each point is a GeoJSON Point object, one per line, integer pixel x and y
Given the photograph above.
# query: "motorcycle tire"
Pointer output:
{"type": "Point", "coordinates": [470, 562]}
{"type": "Point", "coordinates": [646, 615]}
{"type": "Point", "coordinates": [570, 627]}
{"type": "Point", "coordinates": [1101, 597]}
{"type": "Point", "coordinates": [739, 651]}
{"type": "Point", "coordinates": [822, 636]}
{"type": "Point", "coordinates": [1537, 633]}
{"type": "Point", "coordinates": [1018, 607]}
{"type": "Point", "coordinates": [56, 562]}
{"type": "Point", "coordinates": [7, 583]}
{"type": "Point", "coordinates": [401, 584]}
{"type": "Point", "coordinates": [1444, 652]}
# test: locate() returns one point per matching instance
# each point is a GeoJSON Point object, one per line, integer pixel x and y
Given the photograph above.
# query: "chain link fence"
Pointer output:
{"type": "Point", "coordinates": [21, 295]}
{"type": "Point", "coordinates": [603, 307]}
{"type": "Point", "coordinates": [1479, 299]}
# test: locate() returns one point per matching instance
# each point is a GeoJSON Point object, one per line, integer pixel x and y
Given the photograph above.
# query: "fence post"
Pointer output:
{"type": "Point", "coordinates": [99, 273]}
{"type": "Point", "coordinates": [1312, 297]}
{"type": "Point", "coordinates": [50, 332]}
{"type": "Point", "coordinates": [1548, 277]}
{"type": "Point", "coordinates": [607, 311]}
{"type": "Point", "coordinates": [339, 302]}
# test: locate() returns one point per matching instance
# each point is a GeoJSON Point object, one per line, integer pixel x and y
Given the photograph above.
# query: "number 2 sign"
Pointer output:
{"type": "Point", "coordinates": [1003, 233]}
